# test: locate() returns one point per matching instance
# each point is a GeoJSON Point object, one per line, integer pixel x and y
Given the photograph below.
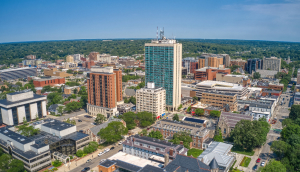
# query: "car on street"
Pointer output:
{"type": "Point", "coordinates": [79, 120]}
{"type": "Point", "coordinates": [86, 169]}
{"type": "Point", "coordinates": [258, 160]}
{"type": "Point", "coordinates": [262, 163]}
{"type": "Point", "coordinates": [254, 167]}
{"type": "Point", "coordinates": [89, 160]}
{"type": "Point", "coordinates": [101, 153]}
{"type": "Point", "coordinates": [106, 150]}
{"type": "Point", "coordinates": [120, 142]}
{"type": "Point", "coordinates": [102, 160]}
{"type": "Point", "coordinates": [87, 116]}
{"type": "Point", "coordinates": [112, 148]}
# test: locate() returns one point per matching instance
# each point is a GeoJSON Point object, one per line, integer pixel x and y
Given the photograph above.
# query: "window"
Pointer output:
{"type": "Point", "coordinates": [224, 131]}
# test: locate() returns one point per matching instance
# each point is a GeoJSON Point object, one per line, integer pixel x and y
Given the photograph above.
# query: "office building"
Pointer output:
{"type": "Point", "coordinates": [70, 59]}
{"type": "Point", "coordinates": [145, 147]}
{"type": "Point", "coordinates": [76, 57]}
{"type": "Point", "coordinates": [226, 60]}
{"type": "Point", "coordinates": [221, 86]}
{"type": "Point", "coordinates": [209, 73]}
{"type": "Point", "coordinates": [17, 73]}
{"type": "Point", "coordinates": [126, 61]}
{"type": "Point", "coordinates": [235, 79]}
{"type": "Point", "coordinates": [163, 60]}
{"type": "Point", "coordinates": [104, 91]}
{"type": "Point", "coordinates": [272, 63]}
{"type": "Point", "coordinates": [151, 99]}
{"type": "Point", "coordinates": [94, 56]}
{"type": "Point", "coordinates": [56, 139]}
{"type": "Point", "coordinates": [201, 135]}
{"type": "Point", "coordinates": [47, 80]}
{"type": "Point", "coordinates": [220, 99]}
{"type": "Point", "coordinates": [218, 156]}
{"type": "Point", "coordinates": [104, 58]}
{"type": "Point", "coordinates": [253, 65]}
{"type": "Point", "coordinates": [239, 62]}
{"type": "Point", "coordinates": [186, 62]}
{"type": "Point", "coordinates": [193, 66]}
{"type": "Point", "coordinates": [20, 105]}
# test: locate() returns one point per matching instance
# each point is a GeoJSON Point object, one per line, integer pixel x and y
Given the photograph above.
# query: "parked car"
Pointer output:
{"type": "Point", "coordinates": [120, 142]}
{"type": "Point", "coordinates": [89, 160]}
{"type": "Point", "coordinates": [254, 167]}
{"type": "Point", "coordinates": [101, 153]}
{"type": "Point", "coordinates": [86, 169]}
{"type": "Point", "coordinates": [258, 160]}
{"type": "Point", "coordinates": [87, 116]}
{"type": "Point", "coordinates": [263, 163]}
{"type": "Point", "coordinates": [79, 120]}
{"type": "Point", "coordinates": [106, 150]}
{"type": "Point", "coordinates": [112, 148]}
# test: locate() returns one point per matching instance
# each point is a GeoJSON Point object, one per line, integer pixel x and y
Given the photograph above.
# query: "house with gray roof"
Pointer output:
{"type": "Point", "coordinates": [218, 155]}
{"type": "Point", "coordinates": [92, 132]}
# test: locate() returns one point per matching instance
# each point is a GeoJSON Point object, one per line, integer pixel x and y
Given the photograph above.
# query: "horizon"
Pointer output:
{"type": "Point", "coordinates": [265, 20]}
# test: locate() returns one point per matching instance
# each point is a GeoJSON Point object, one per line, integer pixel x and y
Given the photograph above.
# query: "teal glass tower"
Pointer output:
{"type": "Point", "coordinates": [163, 59]}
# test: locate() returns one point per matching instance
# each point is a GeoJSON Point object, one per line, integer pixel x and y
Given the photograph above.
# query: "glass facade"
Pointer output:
{"type": "Point", "coordinates": [27, 112]}
{"type": "Point", "coordinates": [66, 146]}
{"type": "Point", "coordinates": [159, 67]}
{"type": "Point", "coordinates": [15, 115]}
{"type": "Point", "coordinates": [39, 107]}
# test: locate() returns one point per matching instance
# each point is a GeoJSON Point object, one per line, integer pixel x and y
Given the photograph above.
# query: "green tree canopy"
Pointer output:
{"type": "Point", "coordinates": [295, 112]}
{"type": "Point", "coordinates": [215, 113]}
{"type": "Point", "coordinates": [256, 75]}
{"type": "Point", "coordinates": [279, 148]}
{"type": "Point", "coordinates": [113, 132]}
{"type": "Point", "coordinates": [155, 134]}
{"type": "Point", "coordinates": [175, 117]}
{"type": "Point", "coordinates": [273, 166]}
{"type": "Point", "coordinates": [182, 136]}
{"type": "Point", "coordinates": [199, 112]}
{"type": "Point", "coordinates": [100, 119]}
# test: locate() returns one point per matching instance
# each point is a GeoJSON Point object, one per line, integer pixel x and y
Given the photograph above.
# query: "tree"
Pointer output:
{"type": "Point", "coordinates": [155, 134]}
{"type": "Point", "coordinates": [113, 132]}
{"type": "Point", "coordinates": [75, 91]}
{"type": "Point", "coordinates": [279, 148]}
{"type": "Point", "coordinates": [189, 109]}
{"type": "Point", "coordinates": [215, 113]}
{"type": "Point", "coordinates": [176, 117]}
{"type": "Point", "coordinates": [79, 153]}
{"type": "Point", "coordinates": [100, 119]}
{"type": "Point", "coordinates": [183, 76]}
{"type": "Point", "coordinates": [289, 130]}
{"type": "Point", "coordinates": [60, 110]}
{"type": "Point", "coordinates": [256, 75]}
{"type": "Point", "coordinates": [16, 166]}
{"type": "Point", "coordinates": [27, 130]}
{"type": "Point", "coordinates": [195, 98]}
{"type": "Point", "coordinates": [72, 106]}
{"type": "Point", "coordinates": [73, 122]}
{"type": "Point", "coordinates": [130, 100]}
{"type": "Point", "coordinates": [4, 159]}
{"type": "Point", "coordinates": [129, 118]}
{"type": "Point", "coordinates": [273, 166]}
{"type": "Point", "coordinates": [199, 112]}
{"type": "Point", "coordinates": [19, 84]}
{"type": "Point", "coordinates": [184, 137]}
{"type": "Point", "coordinates": [180, 106]}
{"type": "Point", "coordinates": [218, 136]}
{"type": "Point", "coordinates": [249, 134]}
{"type": "Point", "coordinates": [287, 122]}
{"type": "Point", "coordinates": [295, 112]}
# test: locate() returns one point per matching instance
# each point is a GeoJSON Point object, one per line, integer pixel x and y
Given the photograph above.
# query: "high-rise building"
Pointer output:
{"type": "Point", "coordinates": [272, 63]}
{"type": "Point", "coordinates": [226, 60]}
{"type": "Point", "coordinates": [151, 99]}
{"type": "Point", "coordinates": [76, 57]}
{"type": "Point", "coordinates": [201, 63]}
{"type": "Point", "coordinates": [298, 77]}
{"type": "Point", "coordinates": [163, 60]}
{"type": "Point", "coordinates": [253, 65]}
{"type": "Point", "coordinates": [94, 56]}
{"type": "Point", "coordinates": [215, 61]}
{"type": "Point", "coordinates": [104, 90]}
{"type": "Point", "coordinates": [70, 59]}
{"type": "Point", "coordinates": [104, 58]}
{"type": "Point", "coordinates": [239, 62]}
{"type": "Point", "coordinates": [193, 67]}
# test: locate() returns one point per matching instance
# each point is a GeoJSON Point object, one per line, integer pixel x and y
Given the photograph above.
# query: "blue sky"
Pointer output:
{"type": "Point", "coordinates": [36, 20]}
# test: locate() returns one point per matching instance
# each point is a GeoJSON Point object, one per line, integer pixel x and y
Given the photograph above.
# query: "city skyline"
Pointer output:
{"type": "Point", "coordinates": [277, 20]}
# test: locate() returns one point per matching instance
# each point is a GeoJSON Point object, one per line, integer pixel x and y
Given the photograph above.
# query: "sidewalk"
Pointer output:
{"type": "Point", "coordinates": [239, 158]}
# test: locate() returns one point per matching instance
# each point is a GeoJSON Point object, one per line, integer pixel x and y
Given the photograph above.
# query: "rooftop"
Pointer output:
{"type": "Point", "coordinates": [184, 163]}
{"type": "Point", "coordinates": [232, 118]}
{"type": "Point", "coordinates": [58, 125]}
{"type": "Point", "coordinates": [213, 68]}
{"type": "Point", "coordinates": [222, 85]}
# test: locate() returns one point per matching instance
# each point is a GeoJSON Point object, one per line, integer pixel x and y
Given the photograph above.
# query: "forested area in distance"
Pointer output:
{"type": "Point", "coordinates": [12, 53]}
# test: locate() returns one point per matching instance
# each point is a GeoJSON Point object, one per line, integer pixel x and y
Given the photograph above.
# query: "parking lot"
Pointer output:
{"type": "Point", "coordinates": [86, 122]}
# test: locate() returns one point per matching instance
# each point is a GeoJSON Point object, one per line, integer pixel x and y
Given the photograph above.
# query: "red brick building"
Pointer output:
{"type": "Point", "coordinates": [270, 86]}
{"type": "Point", "coordinates": [193, 67]}
{"type": "Point", "coordinates": [209, 73]}
{"type": "Point", "coordinates": [266, 92]}
{"type": "Point", "coordinates": [41, 82]}
{"type": "Point", "coordinates": [88, 64]}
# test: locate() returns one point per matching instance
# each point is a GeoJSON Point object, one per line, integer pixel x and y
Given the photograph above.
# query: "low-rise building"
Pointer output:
{"type": "Point", "coordinates": [55, 72]}
{"type": "Point", "coordinates": [47, 80]}
{"type": "Point", "coordinates": [267, 92]}
{"type": "Point", "coordinates": [221, 86]}
{"type": "Point", "coordinates": [220, 99]}
{"type": "Point", "coordinates": [151, 99]}
{"type": "Point", "coordinates": [297, 98]}
{"type": "Point", "coordinates": [20, 105]}
{"type": "Point", "coordinates": [239, 62]}
{"type": "Point", "coordinates": [218, 156]}
{"type": "Point", "coordinates": [267, 73]}
{"type": "Point", "coordinates": [146, 147]}
{"type": "Point", "coordinates": [126, 107]}
{"type": "Point", "coordinates": [228, 120]}
{"type": "Point", "coordinates": [268, 85]}
{"type": "Point", "coordinates": [198, 133]}
{"type": "Point", "coordinates": [70, 90]}
{"type": "Point", "coordinates": [235, 79]}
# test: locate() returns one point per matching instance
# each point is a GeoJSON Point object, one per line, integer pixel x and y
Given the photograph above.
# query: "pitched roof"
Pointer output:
{"type": "Point", "coordinates": [184, 163]}
{"type": "Point", "coordinates": [130, 92]}
{"type": "Point", "coordinates": [213, 164]}
{"type": "Point", "coordinates": [217, 151]}
{"type": "Point", "coordinates": [232, 118]}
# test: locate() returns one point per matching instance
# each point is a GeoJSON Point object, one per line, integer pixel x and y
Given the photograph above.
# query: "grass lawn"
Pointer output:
{"type": "Point", "coordinates": [194, 152]}
{"type": "Point", "coordinates": [245, 162]}
{"type": "Point", "coordinates": [242, 151]}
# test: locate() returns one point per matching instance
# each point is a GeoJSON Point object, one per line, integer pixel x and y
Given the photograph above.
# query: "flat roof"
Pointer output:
{"type": "Point", "coordinates": [216, 68]}
{"type": "Point", "coordinates": [7, 103]}
{"type": "Point", "coordinates": [58, 125]}
{"type": "Point", "coordinates": [197, 120]}
{"type": "Point", "coordinates": [219, 84]}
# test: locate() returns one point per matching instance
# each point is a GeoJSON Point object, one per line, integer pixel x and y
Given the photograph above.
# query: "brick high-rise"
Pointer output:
{"type": "Point", "coordinates": [104, 91]}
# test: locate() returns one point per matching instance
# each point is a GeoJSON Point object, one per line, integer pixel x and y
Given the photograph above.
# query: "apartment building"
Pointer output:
{"type": "Point", "coordinates": [272, 63]}
{"type": "Point", "coordinates": [221, 86]}
{"type": "Point", "coordinates": [201, 63]}
{"type": "Point", "coordinates": [215, 61]}
{"type": "Point", "coordinates": [253, 65]}
{"type": "Point", "coordinates": [220, 99]}
{"type": "Point", "coordinates": [11, 74]}
{"type": "Point", "coordinates": [43, 81]}
{"type": "Point", "coordinates": [104, 90]}
{"type": "Point", "coordinates": [239, 62]}
{"type": "Point", "coordinates": [145, 147]}
{"type": "Point", "coordinates": [19, 105]}
{"type": "Point", "coordinates": [151, 99]}
{"type": "Point", "coordinates": [163, 63]}
{"type": "Point", "coordinates": [198, 133]}
{"type": "Point", "coordinates": [94, 56]}
{"type": "Point", "coordinates": [186, 62]}
{"type": "Point", "coordinates": [193, 67]}
{"type": "Point", "coordinates": [209, 73]}
{"type": "Point", "coordinates": [70, 59]}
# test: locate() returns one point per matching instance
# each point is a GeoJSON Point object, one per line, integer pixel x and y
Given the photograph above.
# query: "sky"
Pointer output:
{"type": "Point", "coordinates": [40, 20]}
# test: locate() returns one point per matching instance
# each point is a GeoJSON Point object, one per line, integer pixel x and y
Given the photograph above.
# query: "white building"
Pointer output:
{"type": "Point", "coordinates": [151, 99]}
{"type": "Point", "coordinates": [20, 105]}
